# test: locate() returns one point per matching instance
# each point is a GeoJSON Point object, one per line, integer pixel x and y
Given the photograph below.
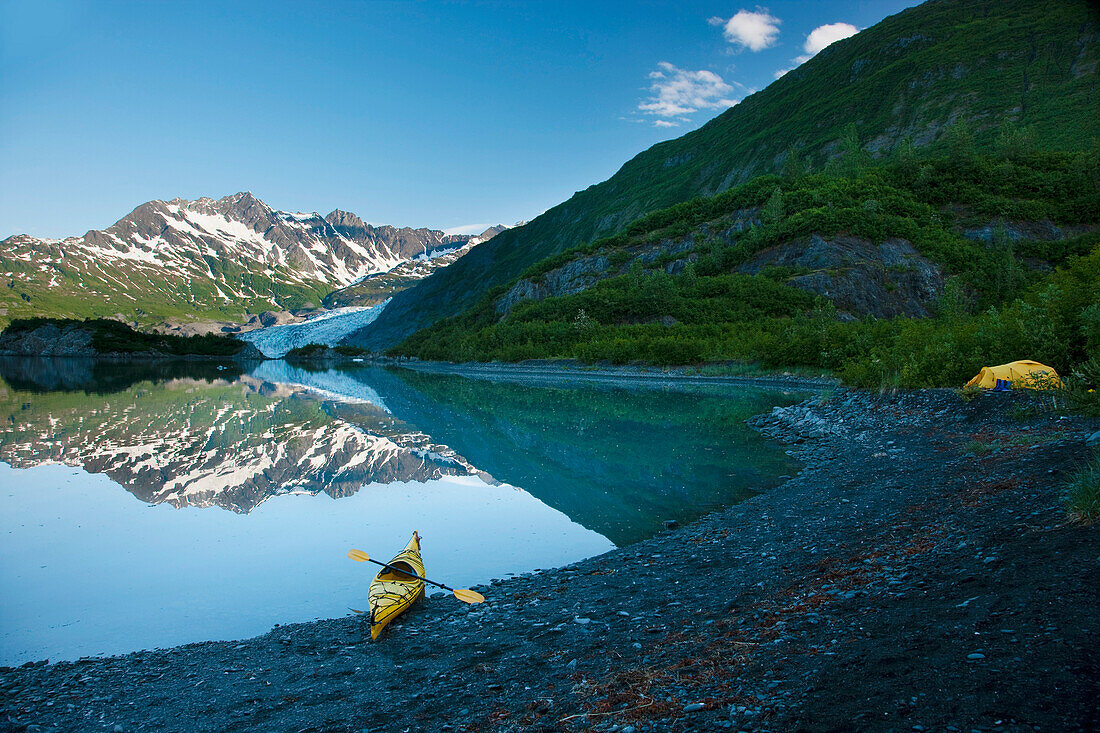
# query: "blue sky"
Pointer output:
{"type": "Point", "coordinates": [408, 113]}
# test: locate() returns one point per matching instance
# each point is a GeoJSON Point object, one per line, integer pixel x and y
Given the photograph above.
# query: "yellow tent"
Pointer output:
{"type": "Point", "coordinates": [1026, 374]}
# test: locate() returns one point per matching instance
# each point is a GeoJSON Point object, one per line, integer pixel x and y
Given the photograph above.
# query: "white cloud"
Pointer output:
{"type": "Point", "coordinates": [819, 39]}
{"type": "Point", "coordinates": [826, 35]}
{"type": "Point", "coordinates": [467, 229]}
{"type": "Point", "coordinates": [678, 92]}
{"type": "Point", "coordinates": [754, 30]}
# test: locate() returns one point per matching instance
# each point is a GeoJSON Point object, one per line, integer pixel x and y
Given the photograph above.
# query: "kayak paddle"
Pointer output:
{"type": "Point", "coordinates": [463, 594]}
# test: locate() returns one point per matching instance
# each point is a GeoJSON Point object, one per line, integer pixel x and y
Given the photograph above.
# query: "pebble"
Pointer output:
{"type": "Point", "coordinates": [975, 655]}
{"type": "Point", "coordinates": [694, 707]}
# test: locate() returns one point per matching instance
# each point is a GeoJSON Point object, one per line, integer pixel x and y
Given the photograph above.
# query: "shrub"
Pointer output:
{"type": "Point", "coordinates": [1082, 492]}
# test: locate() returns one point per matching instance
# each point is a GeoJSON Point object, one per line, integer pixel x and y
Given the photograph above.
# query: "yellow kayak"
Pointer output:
{"type": "Point", "coordinates": [391, 592]}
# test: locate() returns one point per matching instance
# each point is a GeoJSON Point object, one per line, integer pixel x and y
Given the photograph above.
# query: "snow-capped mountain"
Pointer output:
{"type": "Point", "coordinates": [179, 258]}
{"type": "Point", "coordinates": [374, 289]}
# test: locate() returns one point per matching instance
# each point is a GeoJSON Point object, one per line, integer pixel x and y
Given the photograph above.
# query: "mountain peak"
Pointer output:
{"type": "Point", "coordinates": [338, 218]}
{"type": "Point", "coordinates": [252, 257]}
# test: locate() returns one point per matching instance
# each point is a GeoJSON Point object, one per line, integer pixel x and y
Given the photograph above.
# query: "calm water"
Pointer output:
{"type": "Point", "coordinates": [149, 506]}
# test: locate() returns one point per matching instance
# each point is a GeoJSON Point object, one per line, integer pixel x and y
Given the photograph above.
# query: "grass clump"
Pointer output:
{"type": "Point", "coordinates": [980, 447]}
{"type": "Point", "coordinates": [969, 393]}
{"type": "Point", "coordinates": [1083, 493]}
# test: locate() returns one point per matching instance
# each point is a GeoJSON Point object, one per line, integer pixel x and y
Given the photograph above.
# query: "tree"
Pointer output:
{"type": "Point", "coordinates": [1014, 141]}
{"type": "Point", "coordinates": [793, 164]}
{"type": "Point", "coordinates": [773, 209]}
{"type": "Point", "coordinates": [959, 139]}
{"type": "Point", "coordinates": [854, 159]}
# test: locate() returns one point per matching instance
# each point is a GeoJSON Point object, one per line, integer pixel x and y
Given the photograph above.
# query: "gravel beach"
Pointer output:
{"type": "Point", "coordinates": [920, 574]}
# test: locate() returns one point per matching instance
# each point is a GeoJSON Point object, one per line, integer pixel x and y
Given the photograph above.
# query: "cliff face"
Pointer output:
{"type": "Point", "coordinates": [859, 277]}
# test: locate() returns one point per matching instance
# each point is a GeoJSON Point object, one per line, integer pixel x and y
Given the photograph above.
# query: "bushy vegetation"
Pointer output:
{"type": "Point", "coordinates": [1005, 299]}
{"type": "Point", "coordinates": [1083, 493]}
{"type": "Point", "coordinates": [114, 337]}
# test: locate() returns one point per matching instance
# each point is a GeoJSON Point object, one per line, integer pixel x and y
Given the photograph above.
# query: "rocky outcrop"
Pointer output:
{"type": "Point", "coordinates": [70, 338]}
{"type": "Point", "coordinates": [1017, 231]}
{"type": "Point", "coordinates": [860, 278]}
{"type": "Point", "coordinates": [50, 339]}
{"type": "Point", "coordinates": [585, 271]}
{"type": "Point", "coordinates": [572, 277]}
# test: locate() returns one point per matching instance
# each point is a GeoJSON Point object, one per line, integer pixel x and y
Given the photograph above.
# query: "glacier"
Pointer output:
{"type": "Point", "coordinates": [328, 328]}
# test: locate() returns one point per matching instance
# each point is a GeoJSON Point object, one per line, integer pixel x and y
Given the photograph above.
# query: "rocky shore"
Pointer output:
{"type": "Point", "coordinates": [920, 574]}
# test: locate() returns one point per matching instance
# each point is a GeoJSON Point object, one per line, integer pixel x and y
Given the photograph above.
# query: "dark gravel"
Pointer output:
{"type": "Point", "coordinates": [898, 583]}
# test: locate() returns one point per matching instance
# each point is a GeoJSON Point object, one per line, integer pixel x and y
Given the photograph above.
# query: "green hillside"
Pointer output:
{"type": "Point", "coordinates": [147, 294]}
{"type": "Point", "coordinates": [1003, 251]}
{"type": "Point", "coordinates": [945, 76]}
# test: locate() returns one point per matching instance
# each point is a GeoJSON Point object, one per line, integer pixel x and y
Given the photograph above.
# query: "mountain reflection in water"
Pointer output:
{"type": "Point", "coordinates": [231, 442]}
{"type": "Point", "coordinates": [499, 478]}
{"type": "Point", "coordinates": [618, 459]}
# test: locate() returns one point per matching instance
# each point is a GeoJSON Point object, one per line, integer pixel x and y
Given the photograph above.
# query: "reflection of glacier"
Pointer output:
{"type": "Point", "coordinates": [331, 384]}
{"type": "Point", "coordinates": [229, 444]}
{"type": "Point", "coordinates": [328, 329]}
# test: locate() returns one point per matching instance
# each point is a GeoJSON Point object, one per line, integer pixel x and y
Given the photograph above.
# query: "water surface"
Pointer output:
{"type": "Point", "coordinates": [153, 505]}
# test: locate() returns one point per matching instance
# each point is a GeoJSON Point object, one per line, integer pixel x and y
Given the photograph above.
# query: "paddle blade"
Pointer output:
{"type": "Point", "coordinates": [358, 556]}
{"type": "Point", "coordinates": [468, 596]}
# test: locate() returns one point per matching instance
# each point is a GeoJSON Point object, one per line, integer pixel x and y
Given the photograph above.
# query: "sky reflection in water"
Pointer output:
{"type": "Point", "coordinates": [90, 569]}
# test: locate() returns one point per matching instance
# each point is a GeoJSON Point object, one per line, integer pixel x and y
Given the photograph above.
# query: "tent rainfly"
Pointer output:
{"type": "Point", "coordinates": [1020, 374]}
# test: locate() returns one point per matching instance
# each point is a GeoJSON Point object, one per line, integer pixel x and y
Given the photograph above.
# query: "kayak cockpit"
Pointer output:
{"type": "Point", "coordinates": [401, 570]}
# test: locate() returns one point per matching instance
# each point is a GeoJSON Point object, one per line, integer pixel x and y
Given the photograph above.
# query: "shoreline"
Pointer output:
{"type": "Point", "coordinates": [890, 560]}
{"type": "Point", "coordinates": [555, 372]}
